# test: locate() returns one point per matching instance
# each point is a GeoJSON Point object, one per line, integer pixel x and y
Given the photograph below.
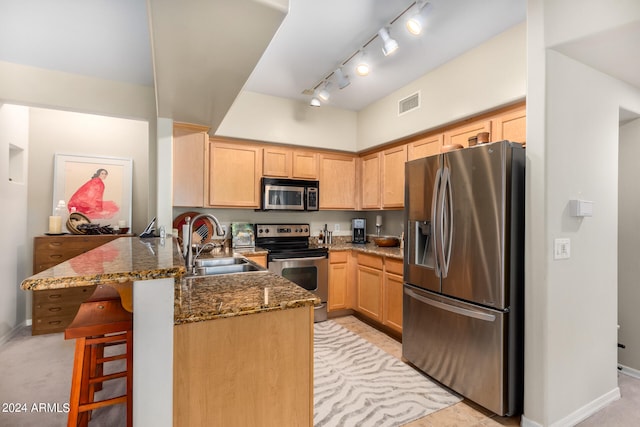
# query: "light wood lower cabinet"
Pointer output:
{"type": "Point", "coordinates": [369, 285]}
{"type": "Point", "coordinates": [338, 280]}
{"type": "Point", "coordinates": [392, 294]}
{"type": "Point", "coordinates": [245, 371]}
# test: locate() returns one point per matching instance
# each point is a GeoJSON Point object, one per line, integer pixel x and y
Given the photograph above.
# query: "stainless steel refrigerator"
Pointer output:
{"type": "Point", "coordinates": [464, 272]}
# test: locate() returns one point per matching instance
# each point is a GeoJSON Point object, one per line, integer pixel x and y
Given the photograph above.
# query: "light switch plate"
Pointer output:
{"type": "Point", "coordinates": [562, 248]}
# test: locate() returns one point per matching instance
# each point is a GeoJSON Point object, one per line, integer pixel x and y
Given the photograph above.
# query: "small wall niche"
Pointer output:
{"type": "Point", "coordinates": [16, 164]}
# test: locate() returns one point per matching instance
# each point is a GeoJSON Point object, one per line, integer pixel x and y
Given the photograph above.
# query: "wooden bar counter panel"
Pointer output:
{"type": "Point", "coordinates": [247, 371]}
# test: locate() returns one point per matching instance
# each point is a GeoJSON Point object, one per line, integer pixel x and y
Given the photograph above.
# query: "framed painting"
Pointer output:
{"type": "Point", "coordinates": [98, 187]}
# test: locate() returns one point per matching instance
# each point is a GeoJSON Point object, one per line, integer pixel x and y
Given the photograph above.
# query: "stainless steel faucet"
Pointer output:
{"type": "Point", "coordinates": [188, 255]}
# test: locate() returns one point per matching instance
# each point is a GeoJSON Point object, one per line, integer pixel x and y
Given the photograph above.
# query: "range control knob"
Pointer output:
{"type": "Point", "coordinates": [306, 230]}
{"type": "Point", "coordinates": [266, 230]}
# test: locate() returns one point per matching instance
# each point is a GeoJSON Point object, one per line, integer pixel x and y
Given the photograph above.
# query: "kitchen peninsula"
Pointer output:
{"type": "Point", "coordinates": [211, 342]}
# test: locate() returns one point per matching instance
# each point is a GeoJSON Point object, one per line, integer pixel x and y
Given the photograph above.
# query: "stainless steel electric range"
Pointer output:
{"type": "Point", "coordinates": [291, 257]}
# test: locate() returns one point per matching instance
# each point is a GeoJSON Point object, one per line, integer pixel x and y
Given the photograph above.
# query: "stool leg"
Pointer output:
{"type": "Point", "coordinates": [97, 368]}
{"type": "Point", "coordinates": [76, 379]}
{"type": "Point", "coordinates": [129, 378]}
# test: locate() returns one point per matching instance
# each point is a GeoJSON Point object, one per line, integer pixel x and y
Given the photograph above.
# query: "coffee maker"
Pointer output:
{"type": "Point", "coordinates": [359, 227]}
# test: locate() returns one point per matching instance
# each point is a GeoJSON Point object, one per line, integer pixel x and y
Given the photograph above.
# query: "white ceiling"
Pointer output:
{"type": "Point", "coordinates": [110, 39]}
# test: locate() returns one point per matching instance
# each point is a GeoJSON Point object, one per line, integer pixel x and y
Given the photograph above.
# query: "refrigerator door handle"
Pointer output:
{"type": "Point", "coordinates": [447, 221]}
{"type": "Point", "coordinates": [441, 226]}
{"type": "Point", "coordinates": [454, 309]}
{"type": "Point", "coordinates": [435, 221]}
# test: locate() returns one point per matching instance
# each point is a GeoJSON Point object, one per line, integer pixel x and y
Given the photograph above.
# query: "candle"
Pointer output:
{"type": "Point", "coordinates": [378, 220]}
{"type": "Point", "coordinates": [55, 224]}
{"type": "Point", "coordinates": [266, 296]}
{"type": "Point", "coordinates": [122, 223]}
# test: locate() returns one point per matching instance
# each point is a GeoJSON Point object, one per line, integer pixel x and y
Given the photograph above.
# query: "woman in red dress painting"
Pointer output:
{"type": "Point", "coordinates": [88, 198]}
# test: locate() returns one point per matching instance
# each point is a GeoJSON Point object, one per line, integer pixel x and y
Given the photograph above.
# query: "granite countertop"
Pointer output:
{"type": "Point", "coordinates": [121, 260]}
{"type": "Point", "coordinates": [227, 295]}
{"type": "Point", "coordinates": [370, 248]}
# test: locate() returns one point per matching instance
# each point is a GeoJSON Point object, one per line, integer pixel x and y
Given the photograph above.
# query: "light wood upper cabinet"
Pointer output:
{"type": "Point", "coordinates": [370, 181]}
{"type": "Point", "coordinates": [511, 126]}
{"type": "Point", "coordinates": [235, 170]}
{"type": "Point", "coordinates": [460, 135]}
{"type": "Point", "coordinates": [425, 147]}
{"type": "Point", "coordinates": [392, 190]}
{"type": "Point", "coordinates": [276, 162]}
{"type": "Point", "coordinates": [288, 163]}
{"type": "Point", "coordinates": [337, 181]}
{"type": "Point", "coordinates": [305, 164]}
{"type": "Point", "coordinates": [189, 143]}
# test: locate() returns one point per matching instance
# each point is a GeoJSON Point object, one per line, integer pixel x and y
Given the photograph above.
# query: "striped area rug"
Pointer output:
{"type": "Point", "coordinates": [358, 384]}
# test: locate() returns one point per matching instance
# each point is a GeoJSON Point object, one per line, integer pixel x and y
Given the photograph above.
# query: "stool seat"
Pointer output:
{"type": "Point", "coordinates": [99, 323]}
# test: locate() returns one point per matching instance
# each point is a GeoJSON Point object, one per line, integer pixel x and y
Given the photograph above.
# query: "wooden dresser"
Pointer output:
{"type": "Point", "coordinates": [53, 310]}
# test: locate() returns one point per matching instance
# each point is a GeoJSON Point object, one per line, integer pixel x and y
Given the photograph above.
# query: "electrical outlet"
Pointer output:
{"type": "Point", "coordinates": [336, 227]}
{"type": "Point", "coordinates": [561, 248]}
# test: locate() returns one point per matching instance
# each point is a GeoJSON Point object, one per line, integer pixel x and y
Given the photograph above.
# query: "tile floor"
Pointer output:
{"type": "Point", "coordinates": [461, 414]}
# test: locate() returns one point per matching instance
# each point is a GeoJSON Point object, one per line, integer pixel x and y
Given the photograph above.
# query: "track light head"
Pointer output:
{"type": "Point", "coordinates": [315, 102]}
{"type": "Point", "coordinates": [362, 68]}
{"type": "Point", "coordinates": [416, 23]}
{"type": "Point", "coordinates": [324, 93]}
{"type": "Point", "coordinates": [342, 79]}
{"type": "Point", "coordinates": [389, 45]}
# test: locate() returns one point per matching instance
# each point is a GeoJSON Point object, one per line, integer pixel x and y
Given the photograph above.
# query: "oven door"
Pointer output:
{"type": "Point", "coordinates": [283, 197]}
{"type": "Point", "coordinates": [310, 273]}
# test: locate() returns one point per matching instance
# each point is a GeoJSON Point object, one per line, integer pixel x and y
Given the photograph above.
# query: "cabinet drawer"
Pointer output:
{"type": "Point", "coordinates": [372, 261]}
{"type": "Point", "coordinates": [63, 296]}
{"type": "Point", "coordinates": [48, 325]}
{"type": "Point", "coordinates": [338, 257]}
{"type": "Point", "coordinates": [393, 266]}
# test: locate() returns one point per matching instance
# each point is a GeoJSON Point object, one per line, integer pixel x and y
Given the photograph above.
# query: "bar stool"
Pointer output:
{"type": "Point", "coordinates": [101, 321]}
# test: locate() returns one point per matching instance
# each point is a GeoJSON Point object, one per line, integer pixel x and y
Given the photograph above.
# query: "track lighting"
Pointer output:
{"type": "Point", "coordinates": [416, 22]}
{"type": "Point", "coordinates": [342, 79]}
{"type": "Point", "coordinates": [389, 45]}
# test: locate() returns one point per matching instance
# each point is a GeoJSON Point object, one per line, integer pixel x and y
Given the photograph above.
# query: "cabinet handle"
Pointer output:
{"type": "Point", "coordinates": [55, 322]}
{"type": "Point", "coordinates": [55, 256]}
{"type": "Point", "coordinates": [55, 296]}
{"type": "Point", "coordinates": [54, 309]}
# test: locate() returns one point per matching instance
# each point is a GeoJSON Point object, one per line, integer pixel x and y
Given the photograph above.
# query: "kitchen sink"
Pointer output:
{"type": "Point", "coordinates": [226, 265]}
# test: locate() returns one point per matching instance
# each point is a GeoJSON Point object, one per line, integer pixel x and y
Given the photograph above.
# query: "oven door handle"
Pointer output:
{"type": "Point", "coordinates": [298, 259]}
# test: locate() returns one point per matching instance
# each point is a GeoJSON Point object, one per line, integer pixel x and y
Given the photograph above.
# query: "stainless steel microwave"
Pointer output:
{"type": "Point", "coordinates": [290, 194]}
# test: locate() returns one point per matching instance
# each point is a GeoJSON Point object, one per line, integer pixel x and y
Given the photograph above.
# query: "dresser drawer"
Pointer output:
{"type": "Point", "coordinates": [53, 310]}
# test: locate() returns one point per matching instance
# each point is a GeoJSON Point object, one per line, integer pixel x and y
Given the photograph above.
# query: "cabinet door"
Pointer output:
{"type": "Point", "coordinates": [234, 174]}
{"type": "Point", "coordinates": [305, 165]}
{"type": "Point", "coordinates": [189, 158]}
{"type": "Point", "coordinates": [393, 161]}
{"type": "Point", "coordinates": [370, 292]}
{"type": "Point", "coordinates": [461, 135]}
{"type": "Point", "coordinates": [511, 126]}
{"type": "Point", "coordinates": [337, 181]}
{"type": "Point", "coordinates": [276, 162]}
{"type": "Point", "coordinates": [425, 147]}
{"type": "Point", "coordinates": [392, 302]}
{"type": "Point", "coordinates": [370, 181]}
{"type": "Point", "coordinates": [337, 286]}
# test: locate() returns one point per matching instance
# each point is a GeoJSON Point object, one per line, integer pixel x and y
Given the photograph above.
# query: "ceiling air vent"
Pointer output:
{"type": "Point", "coordinates": [409, 103]}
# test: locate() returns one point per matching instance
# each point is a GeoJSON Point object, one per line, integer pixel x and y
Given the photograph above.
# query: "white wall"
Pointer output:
{"type": "Point", "coordinates": [491, 75]}
{"type": "Point", "coordinates": [14, 155]}
{"type": "Point", "coordinates": [628, 248]}
{"type": "Point", "coordinates": [572, 152]}
{"type": "Point", "coordinates": [271, 119]}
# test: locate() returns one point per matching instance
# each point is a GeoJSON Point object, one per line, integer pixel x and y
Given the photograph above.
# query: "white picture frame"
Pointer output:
{"type": "Point", "coordinates": [73, 173]}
